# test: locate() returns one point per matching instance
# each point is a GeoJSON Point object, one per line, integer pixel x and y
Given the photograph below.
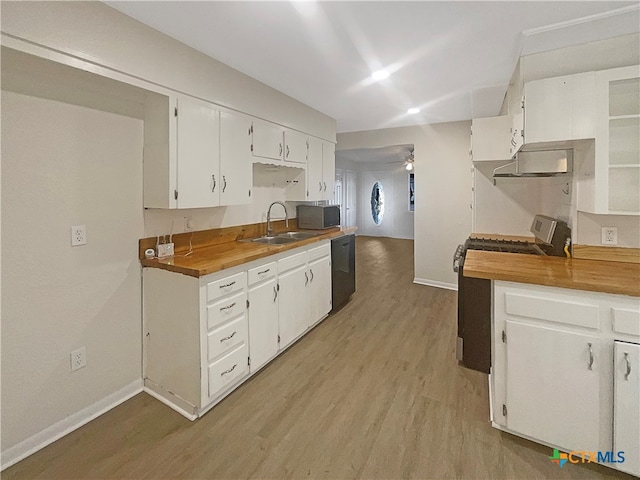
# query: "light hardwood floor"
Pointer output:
{"type": "Point", "coordinates": [373, 392]}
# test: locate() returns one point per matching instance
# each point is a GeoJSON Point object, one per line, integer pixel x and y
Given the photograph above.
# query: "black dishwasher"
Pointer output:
{"type": "Point", "coordinates": [343, 269]}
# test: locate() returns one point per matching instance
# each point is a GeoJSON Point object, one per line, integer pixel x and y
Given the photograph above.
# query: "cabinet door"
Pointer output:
{"type": "Point", "coordinates": [560, 108]}
{"type": "Point", "coordinates": [236, 170]}
{"type": "Point", "coordinates": [552, 385]}
{"type": "Point", "coordinates": [268, 140]}
{"type": "Point", "coordinates": [626, 409]}
{"type": "Point", "coordinates": [319, 288]}
{"type": "Point", "coordinates": [314, 170]}
{"type": "Point", "coordinates": [296, 147]}
{"type": "Point", "coordinates": [198, 158]}
{"type": "Point", "coordinates": [263, 323]}
{"type": "Point", "coordinates": [328, 170]}
{"type": "Point", "coordinates": [293, 304]}
{"type": "Point", "coordinates": [490, 138]}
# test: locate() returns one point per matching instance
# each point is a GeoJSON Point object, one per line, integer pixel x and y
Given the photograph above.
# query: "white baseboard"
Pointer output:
{"type": "Point", "coordinates": [58, 430]}
{"type": "Point", "coordinates": [434, 283]}
{"type": "Point", "coordinates": [178, 404]}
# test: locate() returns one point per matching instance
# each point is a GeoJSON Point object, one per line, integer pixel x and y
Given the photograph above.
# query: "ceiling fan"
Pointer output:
{"type": "Point", "coordinates": [408, 161]}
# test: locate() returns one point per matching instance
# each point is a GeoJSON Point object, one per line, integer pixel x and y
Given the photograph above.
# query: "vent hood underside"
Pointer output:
{"type": "Point", "coordinates": [547, 163]}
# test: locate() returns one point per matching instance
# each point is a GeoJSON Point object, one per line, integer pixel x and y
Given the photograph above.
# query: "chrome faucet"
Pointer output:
{"type": "Point", "coordinates": [286, 217]}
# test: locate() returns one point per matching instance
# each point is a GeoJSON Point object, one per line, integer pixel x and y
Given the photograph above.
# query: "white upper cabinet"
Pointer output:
{"type": "Point", "coordinates": [181, 160]}
{"type": "Point", "coordinates": [268, 140]}
{"type": "Point", "coordinates": [559, 109]}
{"type": "Point", "coordinates": [321, 170]}
{"type": "Point", "coordinates": [609, 179]}
{"type": "Point", "coordinates": [490, 138]}
{"type": "Point", "coordinates": [296, 147]}
{"type": "Point", "coordinates": [236, 173]}
{"type": "Point", "coordinates": [328, 170]}
{"type": "Point", "coordinates": [198, 157]}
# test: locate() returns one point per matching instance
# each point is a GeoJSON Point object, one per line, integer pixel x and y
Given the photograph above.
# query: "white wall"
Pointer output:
{"type": "Point", "coordinates": [442, 217]}
{"type": "Point", "coordinates": [94, 32]}
{"type": "Point", "coordinates": [64, 165]}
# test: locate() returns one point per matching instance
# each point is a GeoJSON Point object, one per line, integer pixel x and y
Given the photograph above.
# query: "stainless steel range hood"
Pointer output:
{"type": "Point", "coordinates": [543, 163]}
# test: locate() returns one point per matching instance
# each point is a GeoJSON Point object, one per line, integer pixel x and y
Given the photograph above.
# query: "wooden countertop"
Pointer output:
{"type": "Point", "coordinates": [592, 275]}
{"type": "Point", "coordinates": [213, 258]}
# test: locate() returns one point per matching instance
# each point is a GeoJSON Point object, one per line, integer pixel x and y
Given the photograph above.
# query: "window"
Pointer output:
{"type": "Point", "coordinates": [411, 194]}
{"type": "Point", "coordinates": [377, 203]}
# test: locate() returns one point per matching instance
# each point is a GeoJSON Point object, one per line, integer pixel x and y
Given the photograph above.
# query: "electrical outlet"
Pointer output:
{"type": "Point", "coordinates": [188, 224]}
{"type": "Point", "coordinates": [78, 235]}
{"type": "Point", "coordinates": [609, 235]}
{"type": "Point", "coordinates": [165, 250]}
{"type": "Point", "coordinates": [78, 359]}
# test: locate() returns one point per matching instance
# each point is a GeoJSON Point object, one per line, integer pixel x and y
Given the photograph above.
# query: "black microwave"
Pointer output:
{"type": "Point", "coordinates": [317, 217]}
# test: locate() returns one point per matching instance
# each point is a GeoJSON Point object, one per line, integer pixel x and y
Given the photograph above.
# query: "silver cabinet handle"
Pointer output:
{"type": "Point", "coordinates": [224, 183]}
{"type": "Point", "coordinates": [213, 182]}
{"type": "Point", "coordinates": [325, 186]}
{"type": "Point", "coordinates": [319, 186]}
{"type": "Point", "coordinates": [280, 154]}
{"type": "Point", "coordinates": [590, 356]}
{"type": "Point", "coordinates": [229, 371]}
{"type": "Point", "coordinates": [628, 372]}
{"type": "Point", "coordinates": [287, 151]}
{"type": "Point", "coordinates": [228, 284]}
{"type": "Point", "coordinates": [306, 279]}
{"type": "Point", "coordinates": [275, 294]}
{"type": "Point", "coordinates": [228, 338]}
{"type": "Point", "coordinates": [228, 307]}
{"type": "Point", "coordinates": [311, 272]}
{"type": "Point", "coordinates": [264, 271]}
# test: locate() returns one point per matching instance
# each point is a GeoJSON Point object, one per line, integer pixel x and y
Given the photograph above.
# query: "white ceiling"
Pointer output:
{"type": "Point", "coordinates": [453, 59]}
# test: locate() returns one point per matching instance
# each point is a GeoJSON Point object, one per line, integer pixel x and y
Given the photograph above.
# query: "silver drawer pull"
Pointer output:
{"type": "Point", "coordinates": [228, 371]}
{"type": "Point", "coordinates": [306, 279]}
{"type": "Point", "coordinates": [228, 307]}
{"type": "Point", "coordinates": [628, 372]}
{"type": "Point", "coordinates": [590, 356]}
{"type": "Point", "coordinates": [311, 272]}
{"type": "Point", "coordinates": [228, 338]}
{"type": "Point", "coordinates": [228, 284]}
{"type": "Point", "coordinates": [275, 294]}
{"type": "Point", "coordinates": [264, 271]}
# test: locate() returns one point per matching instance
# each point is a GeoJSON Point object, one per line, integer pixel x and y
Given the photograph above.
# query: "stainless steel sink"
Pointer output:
{"type": "Point", "coordinates": [282, 238]}
{"type": "Point", "coordinates": [298, 235]}
{"type": "Point", "coordinates": [272, 240]}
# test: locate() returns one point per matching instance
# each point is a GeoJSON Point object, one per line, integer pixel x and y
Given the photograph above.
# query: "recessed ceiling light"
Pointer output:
{"type": "Point", "coordinates": [413, 111]}
{"type": "Point", "coordinates": [380, 75]}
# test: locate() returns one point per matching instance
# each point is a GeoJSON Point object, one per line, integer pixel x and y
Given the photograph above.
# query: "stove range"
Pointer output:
{"type": "Point", "coordinates": [473, 348]}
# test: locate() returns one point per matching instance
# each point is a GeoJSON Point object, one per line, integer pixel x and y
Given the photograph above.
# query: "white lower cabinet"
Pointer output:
{"type": "Point", "coordinates": [263, 314]}
{"type": "Point", "coordinates": [548, 369]}
{"type": "Point", "coordinates": [626, 407]}
{"type": "Point", "coordinates": [565, 369]}
{"type": "Point", "coordinates": [205, 336]}
{"type": "Point", "coordinates": [293, 282]}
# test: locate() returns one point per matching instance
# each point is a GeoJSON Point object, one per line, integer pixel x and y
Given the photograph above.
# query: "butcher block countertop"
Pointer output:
{"type": "Point", "coordinates": [592, 275]}
{"type": "Point", "coordinates": [220, 255]}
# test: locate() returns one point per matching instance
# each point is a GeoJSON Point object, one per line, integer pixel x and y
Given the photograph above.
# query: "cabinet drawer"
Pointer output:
{"type": "Point", "coordinates": [626, 321]}
{"type": "Point", "coordinates": [292, 261]}
{"type": "Point", "coordinates": [229, 368]}
{"type": "Point", "coordinates": [569, 311]}
{"type": "Point", "coordinates": [226, 309]}
{"type": "Point", "coordinates": [318, 252]}
{"type": "Point", "coordinates": [268, 270]}
{"type": "Point", "coordinates": [226, 286]}
{"type": "Point", "coordinates": [227, 336]}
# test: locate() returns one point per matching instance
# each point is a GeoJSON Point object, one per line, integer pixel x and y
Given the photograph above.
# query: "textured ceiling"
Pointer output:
{"type": "Point", "coordinates": [451, 59]}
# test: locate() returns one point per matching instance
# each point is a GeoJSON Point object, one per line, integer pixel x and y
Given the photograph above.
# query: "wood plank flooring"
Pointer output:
{"type": "Point", "coordinates": [373, 392]}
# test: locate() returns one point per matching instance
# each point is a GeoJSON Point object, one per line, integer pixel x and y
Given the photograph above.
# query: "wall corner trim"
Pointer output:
{"type": "Point", "coordinates": [435, 283]}
{"type": "Point", "coordinates": [58, 430]}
